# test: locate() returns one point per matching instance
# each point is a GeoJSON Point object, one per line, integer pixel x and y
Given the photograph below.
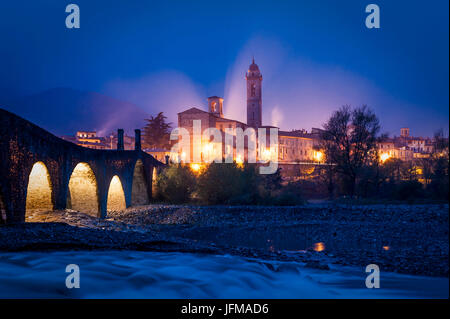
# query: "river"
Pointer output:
{"type": "Point", "coordinates": [133, 274]}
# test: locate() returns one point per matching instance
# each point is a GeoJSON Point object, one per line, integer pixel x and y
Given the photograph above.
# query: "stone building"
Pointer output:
{"type": "Point", "coordinates": [296, 146]}
{"type": "Point", "coordinates": [405, 147]}
{"type": "Point", "coordinates": [90, 139]}
{"type": "Point", "coordinates": [293, 147]}
{"type": "Point", "coordinates": [254, 96]}
{"type": "Point", "coordinates": [158, 153]}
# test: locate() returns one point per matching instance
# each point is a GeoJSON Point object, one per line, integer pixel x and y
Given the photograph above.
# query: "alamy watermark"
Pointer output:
{"type": "Point", "coordinates": [373, 19]}
{"type": "Point", "coordinates": [227, 146]}
{"type": "Point", "coordinates": [73, 279]}
{"type": "Point", "coordinates": [73, 19]}
{"type": "Point", "coordinates": [373, 279]}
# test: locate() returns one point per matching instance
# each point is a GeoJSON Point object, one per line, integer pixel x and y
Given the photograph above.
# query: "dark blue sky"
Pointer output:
{"type": "Point", "coordinates": [168, 55]}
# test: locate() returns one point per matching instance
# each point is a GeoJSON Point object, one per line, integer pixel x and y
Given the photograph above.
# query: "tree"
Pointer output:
{"type": "Point", "coordinates": [392, 169]}
{"type": "Point", "coordinates": [176, 184]}
{"type": "Point", "coordinates": [226, 183]}
{"type": "Point", "coordinates": [349, 141]}
{"type": "Point", "coordinates": [327, 173]}
{"type": "Point", "coordinates": [440, 143]}
{"type": "Point", "coordinates": [157, 132]}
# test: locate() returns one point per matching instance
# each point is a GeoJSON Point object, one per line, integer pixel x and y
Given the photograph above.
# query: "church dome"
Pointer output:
{"type": "Point", "coordinates": [253, 67]}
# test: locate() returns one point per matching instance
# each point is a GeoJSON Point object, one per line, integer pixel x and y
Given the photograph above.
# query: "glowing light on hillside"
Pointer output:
{"type": "Point", "coordinates": [318, 156]}
{"type": "Point", "coordinates": [195, 167]}
{"type": "Point", "coordinates": [239, 161]}
{"type": "Point", "coordinates": [208, 147]}
{"type": "Point", "coordinates": [266, 154]}
{"type": "Point", "coordinates": [269, 154]}
{"type": "Point", "coordinates": [211, 152]}
{"type": "Point", "coordinates": [384, 157]}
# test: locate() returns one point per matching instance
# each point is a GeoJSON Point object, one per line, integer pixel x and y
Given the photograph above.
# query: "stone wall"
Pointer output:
{"type": "Point", "coordinates": [139, 194]}
{"type": "Point", "coordinates": [22, 144]}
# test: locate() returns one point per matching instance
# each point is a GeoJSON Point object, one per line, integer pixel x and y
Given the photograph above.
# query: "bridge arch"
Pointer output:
{"type": "Point", "coordinates": [139, 188]}
{"type": "Point", "coordinates": [116, 195]}
{"type": "Point", "coordinates": [82, 194]}
{"type": "Point", "coordinates": [39, 189]}
{"type": "Point", "coordinates": [23, 143]}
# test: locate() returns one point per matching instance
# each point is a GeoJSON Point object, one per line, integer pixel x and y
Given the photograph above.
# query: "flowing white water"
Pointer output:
{"type": "Point", "coordinates": [131, 274]}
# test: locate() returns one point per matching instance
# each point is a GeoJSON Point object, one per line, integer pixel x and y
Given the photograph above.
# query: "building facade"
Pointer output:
{"type": "Point", "coordinates": [405, 147]}
{"type": "Point", "coordinates": [292, 147]}
{"type": "Point", "coordinates": [90, 139]}
{"type": "Point", "coordinates": [296, 146]}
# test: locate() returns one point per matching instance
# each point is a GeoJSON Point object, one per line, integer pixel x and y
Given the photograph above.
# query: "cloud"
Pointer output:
{"type": "Point", "coordinates": [298, 93]}
{"type": "Point", "coordinates": [276, 116]}
{"type": "Point", "coordinates": [166, 91]}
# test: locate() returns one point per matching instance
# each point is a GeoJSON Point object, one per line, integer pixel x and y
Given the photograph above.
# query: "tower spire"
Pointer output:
{"type": "Point", "coordinates": [254, 95]}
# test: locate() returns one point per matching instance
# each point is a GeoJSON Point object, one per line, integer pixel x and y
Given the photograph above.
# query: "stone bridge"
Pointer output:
{"type": "Point", "coordinates": [39, 171]}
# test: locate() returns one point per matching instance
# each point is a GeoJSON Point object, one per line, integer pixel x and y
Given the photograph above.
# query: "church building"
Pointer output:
{"type": "Point", "coordinates": [293, 146]}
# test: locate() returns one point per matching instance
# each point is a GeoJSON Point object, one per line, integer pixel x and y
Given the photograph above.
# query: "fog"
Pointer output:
{"type": "Point", "coordinates": [301, 93]}
{"type": "Point", "coordinates": [167, 91]}
{"type": "Point", "coordinates": [298, 93]}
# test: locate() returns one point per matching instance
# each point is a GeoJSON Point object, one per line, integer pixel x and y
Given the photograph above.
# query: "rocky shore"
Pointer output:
{"type": "Point", "coordinates": [410, 239]}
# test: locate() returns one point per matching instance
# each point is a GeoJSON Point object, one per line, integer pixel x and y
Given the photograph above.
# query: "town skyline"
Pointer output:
{"type": "Point", "coordinates": [224, 150]}
{"type": "Point", "coordinates": [199, 135]}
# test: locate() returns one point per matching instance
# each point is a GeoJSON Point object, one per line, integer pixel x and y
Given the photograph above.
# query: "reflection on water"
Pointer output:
{"type": "Point", "coordinates": [319, 238]}
{"type": "Point", "coordinates": [319, 246]}
{"type": "Point", "coordinates": [298, 237]}
{"type": "Point", "coordinates": [131, 274]}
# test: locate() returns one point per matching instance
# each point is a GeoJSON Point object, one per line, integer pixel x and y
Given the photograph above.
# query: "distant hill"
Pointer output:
{"type": "Point", "coordinates": [63, 111]}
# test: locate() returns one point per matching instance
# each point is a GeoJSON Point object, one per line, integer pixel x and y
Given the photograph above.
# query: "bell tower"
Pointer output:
{"type": "Point", "coordinates": [254, 95]}
{"type": "Point", "coordinates": [215, 105]}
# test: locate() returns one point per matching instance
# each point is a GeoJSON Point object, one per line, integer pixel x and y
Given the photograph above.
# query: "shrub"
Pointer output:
{"type": "Point", "coordinates": [227, 183]}
{"type": "Point", "coordinates": [235, 185]}
{"type": "Point", "coordinates": [230, 184]}
{"type": "Point", "coordinates": [405, 190]}
{"type": "Point", "coordinates": [288, 195]}
{"type": "Point", "coordinates": [175, 184]}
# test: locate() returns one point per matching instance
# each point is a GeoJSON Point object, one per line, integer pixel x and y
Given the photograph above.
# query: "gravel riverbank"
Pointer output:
{"type": "Point", "coordinates": [409, 239]}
